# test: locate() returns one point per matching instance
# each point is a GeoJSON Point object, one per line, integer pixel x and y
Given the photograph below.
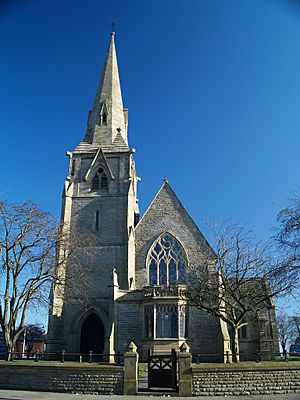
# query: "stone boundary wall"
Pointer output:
{"type": "Point", "coordinates": [88, 379]}
{"type": "Point", "coordinates": [255, 379]}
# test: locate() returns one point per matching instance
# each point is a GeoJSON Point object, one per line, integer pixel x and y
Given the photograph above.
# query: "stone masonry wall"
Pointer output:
{"type": "Point", "coordinates": [257, 380]}
{"type": "Point", "coordinates": [129, 326]}
{"type": "Point", "coordinates": [89, 380]}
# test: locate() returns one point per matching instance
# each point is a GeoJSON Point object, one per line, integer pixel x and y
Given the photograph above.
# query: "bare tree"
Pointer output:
{"type": "Point", "coordinates": [34, 251]}
{"type": "Point", "coordinates": [238, 283]}
{"type": "Point", "coordinates": [295, 322]}
{"type": "Point", "coordinates": [288, 238]}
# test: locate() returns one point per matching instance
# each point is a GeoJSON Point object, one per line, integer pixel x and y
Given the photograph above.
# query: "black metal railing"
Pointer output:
{"type": "Point", "coordinates": [257, 356]}
{"type": "Point", "coordinates": [64, 356]}
{"type": "Point", "coordinates": [118, 358]}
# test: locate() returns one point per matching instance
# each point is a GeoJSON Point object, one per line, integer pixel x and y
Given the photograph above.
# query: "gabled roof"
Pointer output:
{"type": "Point", "coordinates": [164, 190]}
{"type": "Point", "coordinates": [98, 157]}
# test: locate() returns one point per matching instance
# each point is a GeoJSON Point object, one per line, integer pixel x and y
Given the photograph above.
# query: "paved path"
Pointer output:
{"type": "Point", "coordinates": [20, 395]}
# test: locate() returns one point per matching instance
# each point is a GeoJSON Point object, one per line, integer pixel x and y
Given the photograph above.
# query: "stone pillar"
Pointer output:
{"type": "Point", "coordinates": [131, 359]}
{"type": "Point", "coordinates": [185, 370]}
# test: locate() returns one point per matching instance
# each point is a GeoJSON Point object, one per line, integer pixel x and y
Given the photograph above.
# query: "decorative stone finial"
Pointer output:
{"type": "Point", "coordinates": [166, 180]}
{"type": "Point", "coordinates": [132, 347]}
{"type": "Point", "coordinates": [184, 348]}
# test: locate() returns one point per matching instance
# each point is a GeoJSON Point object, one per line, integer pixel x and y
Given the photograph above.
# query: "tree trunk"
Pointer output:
{"type": "Point", "coordinates": [235, 345]}
{"type": "Point", "coordinates": [10, 342]}
{"type": "Point", "coordinates": [9, 348]}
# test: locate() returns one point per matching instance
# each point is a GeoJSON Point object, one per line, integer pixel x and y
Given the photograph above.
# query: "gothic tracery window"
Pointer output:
{"type": "Point", "coordinates": [166, 262]}
{"type": "Point", "coordinates": [100, 181]}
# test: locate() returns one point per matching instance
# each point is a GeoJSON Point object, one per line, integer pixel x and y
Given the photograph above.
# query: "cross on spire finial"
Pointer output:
{"type": "Point", "coordinates": [112, 27]}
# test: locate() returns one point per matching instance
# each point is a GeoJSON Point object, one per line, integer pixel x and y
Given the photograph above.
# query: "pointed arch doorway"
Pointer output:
{"type": "Point", "coordinates": [92, 335]}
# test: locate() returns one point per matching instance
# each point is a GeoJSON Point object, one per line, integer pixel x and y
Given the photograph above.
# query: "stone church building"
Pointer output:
{"type": "Point", "coordinates": [138, 258]}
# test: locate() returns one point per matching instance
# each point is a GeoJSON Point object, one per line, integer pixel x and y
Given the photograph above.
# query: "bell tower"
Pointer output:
{"type": "Point", "coordinates": [100, 196]}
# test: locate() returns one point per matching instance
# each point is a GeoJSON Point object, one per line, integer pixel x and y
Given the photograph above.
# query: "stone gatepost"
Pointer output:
{"type": "Point", "coordinates": [131, 359]}
{"type": "Point", "coordinates": [185, 370]}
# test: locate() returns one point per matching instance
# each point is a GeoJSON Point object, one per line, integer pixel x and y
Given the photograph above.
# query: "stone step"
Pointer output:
{"type": "Point", "coordinates": [159, 393]}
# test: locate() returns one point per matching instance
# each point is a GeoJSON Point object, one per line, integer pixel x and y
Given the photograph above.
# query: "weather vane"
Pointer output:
{"type": "Point", "coordinates": [112, 26]}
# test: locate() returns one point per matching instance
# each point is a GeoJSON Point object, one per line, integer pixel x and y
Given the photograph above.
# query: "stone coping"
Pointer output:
{"type": "Point", "coordinates": [247, 366]}
{"type": "Point", "coordinates": [58, 364]}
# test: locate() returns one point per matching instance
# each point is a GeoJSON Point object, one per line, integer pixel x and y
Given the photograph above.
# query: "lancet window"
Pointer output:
{"type": "Point", "coordinates": [73, 167]}
{"type": "Point", "coordinates": [166, 262]}
{"type": "Point", "coordinates": [103, 115]}
{"type": "Point", "coordinates": [103, 182]}
{"type": "Point", "coordinates": [95, 183]}
{"type": "Point", "coordinates": [104, 119]}
{"type": "Point", "coordinates": [100, 181]}
{"type": "Point", "coordinates": [149, 321]}
{"type": "Point", "coordinates": [97, 221]}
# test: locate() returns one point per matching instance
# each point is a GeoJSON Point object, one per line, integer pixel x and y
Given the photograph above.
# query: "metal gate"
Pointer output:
{"type": "Point", "coordinates": [162, 370]}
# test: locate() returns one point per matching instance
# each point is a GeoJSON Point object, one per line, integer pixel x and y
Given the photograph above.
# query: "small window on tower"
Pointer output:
{"type": "Point", "coordinates": [136, 218]}
{"type": "Point", "coordinates": [103, 114]}
{"type": "Point", "coordinates": [104, 184]}
{"type": "Point", "coordinates": [97, 221]}
{"type": "Point", "coordinates": [95, 183]}
{"type": "Point", "coordinates": [73, 168]}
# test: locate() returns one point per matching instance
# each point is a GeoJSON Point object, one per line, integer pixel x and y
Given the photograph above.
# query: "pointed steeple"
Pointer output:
{"type": "Point", "coordinates": [107, 122]}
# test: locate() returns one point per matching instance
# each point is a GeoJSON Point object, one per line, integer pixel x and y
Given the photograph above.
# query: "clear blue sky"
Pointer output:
{"type": "Point", "coordinates": [212, 87]}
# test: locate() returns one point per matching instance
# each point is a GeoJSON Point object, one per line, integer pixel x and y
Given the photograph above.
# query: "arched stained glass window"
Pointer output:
{"type": "Point", "coordinates": [166, 262]}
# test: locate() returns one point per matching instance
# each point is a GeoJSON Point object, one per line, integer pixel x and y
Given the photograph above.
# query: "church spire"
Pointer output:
{"type": "Point", "coordinates": [107, 122]}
